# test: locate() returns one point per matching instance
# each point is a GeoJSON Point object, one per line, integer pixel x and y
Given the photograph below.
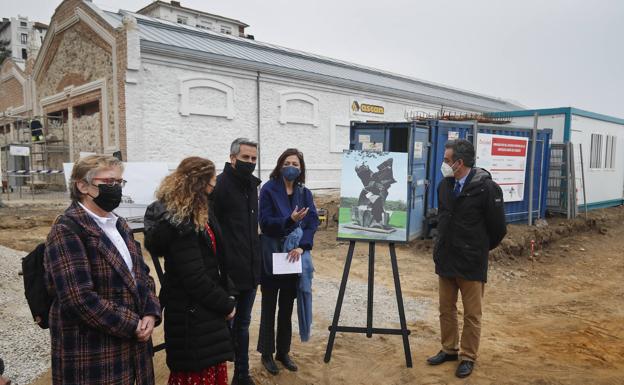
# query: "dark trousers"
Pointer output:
{"type": "Point", "coordinates": [266, 340]}
{"type": "Point", "coordinates": [240, 328]}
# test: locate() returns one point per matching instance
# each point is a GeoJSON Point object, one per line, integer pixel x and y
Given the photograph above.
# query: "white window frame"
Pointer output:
{"type": "Point", "coordinates": [285, 117]}
{"type": "Point", "coordinates": [595, 153]}
{"type": "Point", "coordinates": [226, 29]}
{"type": "Point", "coordinates": [24, 38]}
{"type": "Point", "coordinates": [205, 24]}
{"type": "Point", "coordinates": [186, 109]}
{"type": "Point", "coordinates": [183, 18]}
{"type": "Point", "coordinates": [333, 134]}
{"type": "Point", "coordinates": [610, 151]}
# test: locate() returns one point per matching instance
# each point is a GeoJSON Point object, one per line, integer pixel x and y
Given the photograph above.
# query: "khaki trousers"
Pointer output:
{"type": "Point", "coordinates": [472, 294]}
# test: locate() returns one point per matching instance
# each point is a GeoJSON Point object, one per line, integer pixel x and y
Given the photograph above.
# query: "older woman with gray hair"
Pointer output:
{"type": "Point", "coordinates": [104, 307]}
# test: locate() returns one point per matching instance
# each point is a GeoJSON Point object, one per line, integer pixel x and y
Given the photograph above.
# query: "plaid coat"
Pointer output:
{"type": "Point", "coordinates": [97, 306]}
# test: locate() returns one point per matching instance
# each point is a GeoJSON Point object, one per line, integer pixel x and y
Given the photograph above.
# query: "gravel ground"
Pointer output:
{"type": "Point", "coordinates": [24, 347]}
{"type": "Point", "coordinates": [353, 313]}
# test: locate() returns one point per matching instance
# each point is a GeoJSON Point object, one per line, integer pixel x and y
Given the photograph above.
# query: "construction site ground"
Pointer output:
{"type": "Point", "coordinates": [551, 316]}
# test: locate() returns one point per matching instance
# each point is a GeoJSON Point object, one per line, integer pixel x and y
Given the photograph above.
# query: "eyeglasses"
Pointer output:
{"type": "Point", "coordinates": [112, 182]}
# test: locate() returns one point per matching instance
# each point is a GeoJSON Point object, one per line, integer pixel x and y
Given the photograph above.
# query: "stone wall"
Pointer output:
{"type": "Point", "coordinates": [77, 56]}
{"type": "Point", "coordinates": [11, 90]}
{"type": "Point", "coordinates": [83, 129]}
{"type": "Point", "coordinates": [11, 94]}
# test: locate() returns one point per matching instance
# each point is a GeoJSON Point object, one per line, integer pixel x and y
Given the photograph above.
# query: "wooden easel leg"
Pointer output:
{"type": "Point", "coordinates": [399, 296]}
{"type": "Point", "coordinates": [371, 289]}
{"type": "Point", "coordinates": [341, 292]}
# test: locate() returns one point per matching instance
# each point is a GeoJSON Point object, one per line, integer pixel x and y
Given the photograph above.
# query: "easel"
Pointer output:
{"type": "Point", "coordinates": [369, 330]}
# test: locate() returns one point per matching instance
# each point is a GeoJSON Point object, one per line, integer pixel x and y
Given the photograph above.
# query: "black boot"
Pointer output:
{"type": "Point", "coordinates": [269, 364]}
{"type": "Point", "coordinates": [239, 379]}
{"type": "Point", "coordinates": [464, 369]}
{"type": "Point", "coordinates": [441, 358]}
{"type": "Point", "coordinates": [287, 362]}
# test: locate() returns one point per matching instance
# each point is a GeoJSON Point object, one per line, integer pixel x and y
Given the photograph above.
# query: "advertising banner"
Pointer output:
{"type": "Point", "coordinates": [505, 157]}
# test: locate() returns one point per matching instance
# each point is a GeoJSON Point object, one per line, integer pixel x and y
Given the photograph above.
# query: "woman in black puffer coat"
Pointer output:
{"type": "Point", "coordinates": [196, 293]}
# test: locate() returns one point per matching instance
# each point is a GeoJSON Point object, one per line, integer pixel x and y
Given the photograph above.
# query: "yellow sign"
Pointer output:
{"type": "Point", "coordinates": [367, 108]}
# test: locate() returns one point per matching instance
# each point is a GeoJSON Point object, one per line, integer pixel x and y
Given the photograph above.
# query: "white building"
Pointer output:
{"type": "Point", "coordinates": [175, 12]}
{"type": "Point", "coordinates": [160, 91]}
{"type": "Point", "coordinates": [23, 35]}
{"type": "Point", "coordinates": [192, 91]}
{"type": "Point", "coordinates": [602, 140]}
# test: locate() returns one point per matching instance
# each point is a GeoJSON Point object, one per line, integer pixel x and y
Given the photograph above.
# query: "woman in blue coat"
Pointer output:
{"type": "Point", "coordinates": [286, 206]}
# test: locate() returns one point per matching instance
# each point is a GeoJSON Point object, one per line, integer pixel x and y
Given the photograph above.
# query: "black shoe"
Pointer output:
{"type": "Point", "coordinates": [441, 358]}
{"type": "Point", "coordinates": [464, 369]}
{"type": "Point", "coordinates": [287, 362]}
{"type": "Point", "coordinates": [242, 380]}
{"type": "Point", "coordinates": [269, 364]}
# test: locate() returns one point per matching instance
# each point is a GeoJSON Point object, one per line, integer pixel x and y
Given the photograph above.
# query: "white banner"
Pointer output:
{"type": "Point", "coordinates": [19, 150]}
{"type": "Point", "coordinates": [143, 180]}
{"type": "Point", "coordinates": [505, 158]}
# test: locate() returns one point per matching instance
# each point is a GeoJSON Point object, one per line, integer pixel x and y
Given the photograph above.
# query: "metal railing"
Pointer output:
{"type": "Point", "coordinates": [561, 197]}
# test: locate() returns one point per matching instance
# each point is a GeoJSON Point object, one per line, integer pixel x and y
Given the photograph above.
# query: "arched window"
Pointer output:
{"type": "Point", "coordinates": [206, 96]}
{"type": "Point", "coordinates": [299, 107]}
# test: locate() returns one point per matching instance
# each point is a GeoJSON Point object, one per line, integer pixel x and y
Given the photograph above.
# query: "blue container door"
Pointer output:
{"type": "Point", "coordinates": [441, 132]}
{"type": "Point", "coordinates": [418, 156]}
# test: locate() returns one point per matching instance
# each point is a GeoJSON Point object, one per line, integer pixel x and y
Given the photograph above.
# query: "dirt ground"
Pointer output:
{"type": "Point", "coordinates": [556, 317]}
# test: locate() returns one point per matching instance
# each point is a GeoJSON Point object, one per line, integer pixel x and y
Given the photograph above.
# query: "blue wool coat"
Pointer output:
{"type": "Point", "coordinates": [275, 222]}
{"type": "Point", "coordinates": [97, 306]}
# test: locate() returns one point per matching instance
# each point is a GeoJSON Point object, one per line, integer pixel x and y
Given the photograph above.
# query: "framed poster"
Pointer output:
{"type": "Point", "coordinates": [373, 196]}
{"type": "Point", "coordinates": [505, 157]}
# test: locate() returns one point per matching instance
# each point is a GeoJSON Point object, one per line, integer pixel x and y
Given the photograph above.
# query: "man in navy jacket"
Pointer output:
{"type": "Point", "coordinates": [471, 222]}
{"type": "Point", "coordinates": [236, 208]}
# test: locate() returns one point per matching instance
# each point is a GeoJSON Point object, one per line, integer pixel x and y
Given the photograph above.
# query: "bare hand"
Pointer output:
{"type": "Point", "coordinates": [231, 315]}
{"type": "Point", "coordinates": [145, 328]}
{"type": "Point", "coordinates": [295, 254]}
{"type": "Point", "coordinates": [298, 215]}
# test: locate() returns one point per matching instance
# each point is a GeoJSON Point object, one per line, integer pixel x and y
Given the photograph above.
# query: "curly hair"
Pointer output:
{"type": "Point", "coordinates": [184, 191]}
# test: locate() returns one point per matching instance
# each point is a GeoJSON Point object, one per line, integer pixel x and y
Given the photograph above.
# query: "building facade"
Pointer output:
{"type": "Point", "coordinates": [159, 90]}
{"type": "Point", "coordinates": [22, 35]}
{"type": "Point", "coordinates": [176, 13]}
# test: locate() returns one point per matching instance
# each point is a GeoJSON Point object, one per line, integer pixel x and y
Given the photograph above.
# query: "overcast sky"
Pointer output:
{"type": "Point", "coordinates": [540, 53]}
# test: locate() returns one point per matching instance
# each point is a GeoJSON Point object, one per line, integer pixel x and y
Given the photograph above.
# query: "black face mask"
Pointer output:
{"type": "Point", "coordinates": [109, 197]}
{"type": "Point", "coordinates": [245, 168]}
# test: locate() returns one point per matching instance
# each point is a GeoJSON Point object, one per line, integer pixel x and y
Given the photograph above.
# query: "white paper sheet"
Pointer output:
{"type": "Point", "coordinates": [281, 265]}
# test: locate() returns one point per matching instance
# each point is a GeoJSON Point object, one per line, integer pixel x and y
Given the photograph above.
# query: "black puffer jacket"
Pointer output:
{"type": "Point", "coordinates": [236, 209]}
{"type": "Point", "coordinates": [469, 226]}
{"type": "Point", "coordinates": [196, 294]}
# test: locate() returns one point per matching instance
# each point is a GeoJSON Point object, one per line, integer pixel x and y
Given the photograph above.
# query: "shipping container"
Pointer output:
{"type": "Point", "coordinates": [424, 142]}
{"type": "Point", "coordinates": [441, 131]}
{"type": "Point", "coordinates": [599, 138]}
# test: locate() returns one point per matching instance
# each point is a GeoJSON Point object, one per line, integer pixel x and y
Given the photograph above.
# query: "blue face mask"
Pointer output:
{"type": "Point", "coordinates": [290, 173]}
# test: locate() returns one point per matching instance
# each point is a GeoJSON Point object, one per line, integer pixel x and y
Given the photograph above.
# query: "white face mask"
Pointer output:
{"type": "Point", "coordinates": [447, 171]}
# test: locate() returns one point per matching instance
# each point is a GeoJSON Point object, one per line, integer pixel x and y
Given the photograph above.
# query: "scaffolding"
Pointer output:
{"type": "Point", "coordinates": [33, 151]}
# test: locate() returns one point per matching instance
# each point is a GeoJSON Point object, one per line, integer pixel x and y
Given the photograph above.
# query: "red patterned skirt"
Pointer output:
{"type": "Point", "coordinates": [214, 375]}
